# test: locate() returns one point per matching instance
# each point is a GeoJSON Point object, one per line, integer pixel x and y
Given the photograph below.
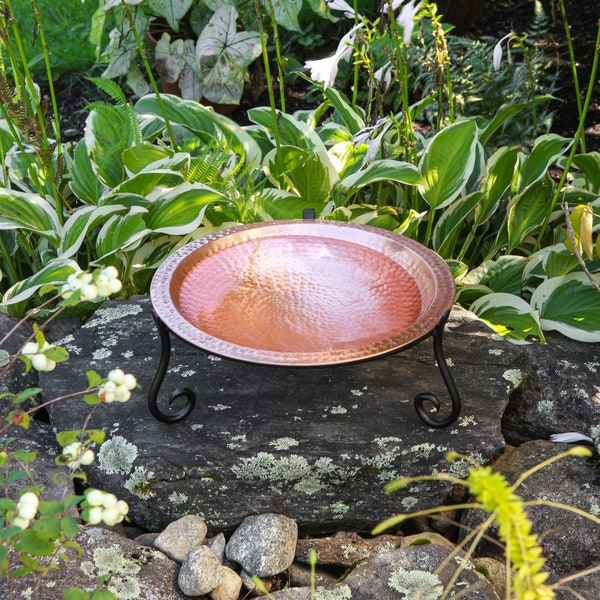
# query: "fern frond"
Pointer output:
{"type": "Point", "coordinates": [110, 88]}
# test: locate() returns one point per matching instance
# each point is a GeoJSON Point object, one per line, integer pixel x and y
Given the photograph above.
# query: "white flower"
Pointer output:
{"type": "Point", "coordinates": [395, 5]}
{"type": "Point", "coordinates": [27, 506]}
{"type": "Point", "coordinates": [497, 54]}
{"type": "Point", "coordinates": [341, 5]}
{"type": "Point", "coordinates": [569, 438]}
{"type": "Point", "coordinates": [383, 76]}
{"type": "Point", "coordinates": [406, 19]}
{"type": "Point", "coordinates": [78, 455]}
{"type": "Point", "coordinates": [102, 506]}
{"type": "Point", "coordinates": [325, 70]}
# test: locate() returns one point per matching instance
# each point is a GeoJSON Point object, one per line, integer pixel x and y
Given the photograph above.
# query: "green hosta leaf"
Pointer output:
{"type": "Point", "coordinates": [303, 170]}
{"type": "Point", "coordinates": [121, 232]}
{"type": "Point", "coordinates": [352, 116]}
{"type": "Point", "coordinates": [292, 131]}
{"type": "Point", "coordinates": [172, 10]}
{"type": "Point", "coordinates": [20, 210]}
{"type": "Point", "coordinates": [502, 275]}
{"type": "Point", "coordinates": [85, 183]}
{"type": "Point", "coordinates": [380, 170]}
{"type": "Point", "coordinates": [146, 156]}
{"type": "Point", "coordinates": [180, 210]}
{"type": "Point", "coordinates": [285, 12]}
{"type": "Point", "coordinates": [145, 182]}
{"type": "Point", "coordinates": [449, 224]}
{"type": "Point", "coordinates": [545, 152]}
{"type": "Point", "coordinates": [205, 123]}
{"type": "Point", "coordinates": [570, 305]}
{"type": "Point", "coordinates": [496, 181]}
{"type": "Point", "coordinates": [448, 162]}
{"type": "Point", "coordinates": [105, 142]}
{"type": "Point", "coordinates": [507, 112]}
{"type": "Point", "coordinates": [509, 315]}
{"type": "Point", "coordinates": [53, 274]}
{"type": "Point", "coordinates": [276, 204]}
{"type": "Point", "coordinates": [527, 210]}
{"type": "Point", "coordinates": [589, 165]}
{"type": "Point", "coordinates": [80, 223]}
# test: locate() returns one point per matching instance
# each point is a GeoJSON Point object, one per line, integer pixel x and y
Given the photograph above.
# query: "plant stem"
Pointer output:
{"type": "Point", "coordinates": [573, 65]}
{"type": "Point", "coordinates": [142, 50]}
{"type": "Point", "coordinates": [277, 55]}
{"type": "Point", "coordinates": [265, 55]}
{"type": "Point", "coordinates": [576, 140]}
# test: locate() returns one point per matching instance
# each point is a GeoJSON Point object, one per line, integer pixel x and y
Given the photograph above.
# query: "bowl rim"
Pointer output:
{"type": "Point", "coordinates": [383, 241]}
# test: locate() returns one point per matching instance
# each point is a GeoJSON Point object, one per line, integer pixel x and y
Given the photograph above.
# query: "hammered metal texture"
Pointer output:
{"type": "Point", "coordinates": [302, 293]}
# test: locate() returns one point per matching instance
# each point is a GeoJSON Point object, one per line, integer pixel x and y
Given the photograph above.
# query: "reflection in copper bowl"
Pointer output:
{"type": "Point", "coordinates": [302, 293]}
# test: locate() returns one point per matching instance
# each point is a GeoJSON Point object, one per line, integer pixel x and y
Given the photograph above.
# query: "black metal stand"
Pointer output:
{"type": "Point", "coordinates": [424, 397]}
{"type": "Point", "coordinates": [163, 365]}
{"type": "Point", "coordinates": [430, 417]}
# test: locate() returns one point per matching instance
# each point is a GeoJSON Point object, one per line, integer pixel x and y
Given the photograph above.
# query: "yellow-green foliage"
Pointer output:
{"type": "Point", "coordinates": [514, 528]}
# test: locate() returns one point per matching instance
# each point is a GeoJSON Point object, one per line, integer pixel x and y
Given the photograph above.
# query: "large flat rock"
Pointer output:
{"type": "Point", "coordinates": [316, 444]}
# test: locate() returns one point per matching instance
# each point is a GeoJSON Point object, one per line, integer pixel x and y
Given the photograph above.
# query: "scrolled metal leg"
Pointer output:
{"type": "Point", "coordinates": [427, 397]}
{"type": "Point", "coordinates": [163, 365]}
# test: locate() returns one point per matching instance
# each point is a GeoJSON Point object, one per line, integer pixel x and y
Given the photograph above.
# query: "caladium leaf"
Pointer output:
{"type": "Point", "coordinates": [285, 12]}
{"type": "Point", "coordinates": [172, 10]}
{"type": "Point", "coordinates": [223, 53]}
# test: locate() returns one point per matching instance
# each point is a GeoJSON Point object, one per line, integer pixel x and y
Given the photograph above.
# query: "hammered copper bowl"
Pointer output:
{"type": "Point", "coordinates": [302, 293]}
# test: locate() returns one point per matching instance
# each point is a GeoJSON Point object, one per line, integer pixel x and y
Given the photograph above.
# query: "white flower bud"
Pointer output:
{"type": "Point", "coordinates": [94, 497]}
{"type": "Point", "coordinates": [109, 501]}
{"type": "Point", "coordinates": [122, 394]}
{"type": "Point", "coordinates": [27, 506]}
{"type": "Point", "coordinates": [89, 291]}
{"type": "Point", "coordinates": [122, 507]}
{"type": "Point", "coordinates": [129, 381]}
{"type": "Point", "coordinates": [39, 362]}
{"type": "Point", "coordinates": [30, 348]}
{"type": "Point", "coordinates": [117, 376]}
{"type": "Point", "coordinates": [111, 516]}
{"type": "Point", "coordinates": [110, 272]}
{"type": "Point", "coordinates": [87, 458]}
{"type": "Point", "coordinates": [109, 386]}
{"type": "Point", "coordinates": [94, 515]}
{"type": "Point", "coordinates": [50, 366]}
{"type": "Point", "coordinates": [114, 286]}
{"type": "Point", "coordinates": [21, 522]}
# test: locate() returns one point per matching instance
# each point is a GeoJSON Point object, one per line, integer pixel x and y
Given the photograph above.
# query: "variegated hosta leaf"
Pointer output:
{"type": "Point", "coordinates": [508, 315]}
{"type": "Point", "coordinates": [54, 273]}
{"type": "Point", "coordinates": [570, 304]}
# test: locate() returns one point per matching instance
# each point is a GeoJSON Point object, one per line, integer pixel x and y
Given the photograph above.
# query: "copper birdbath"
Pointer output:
{"type": "Point", "coordinates": [303, 293]}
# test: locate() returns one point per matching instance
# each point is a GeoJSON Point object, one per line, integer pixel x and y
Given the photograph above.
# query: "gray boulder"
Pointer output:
{"type": "Point", "coordinates": [181, 536]}
{"type": "Point", "coordinates": [131, 570]}
{"type": "Point", "coordinates": [318, 444]}
{"type": "Point", "coordinates": [264, 545]}
{"type": "Point", "coordinates": [569, 541]}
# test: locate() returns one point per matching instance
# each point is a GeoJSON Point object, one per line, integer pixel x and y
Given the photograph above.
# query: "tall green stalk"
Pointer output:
{"type": "Point", "coordinates": [569, 40]}
{"type": "Point", "coordinates": [579, 134]}
{"type": "Point", "coordinates": [142, 50]}
{"type": "Point", "coordinates": [277, 54]}
{"type": "Point", "coordinates": [28, 92]}
{"type": "Point", "coordinates": [265, 55]}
